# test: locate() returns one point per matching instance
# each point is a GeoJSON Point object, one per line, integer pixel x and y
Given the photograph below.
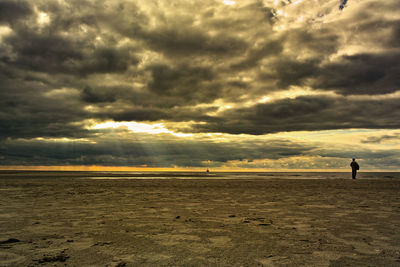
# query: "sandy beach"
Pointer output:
{"type": "Point", "coordinates": [199, 222]}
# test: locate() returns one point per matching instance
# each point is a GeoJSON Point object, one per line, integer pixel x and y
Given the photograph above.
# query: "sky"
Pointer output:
{"type": "Point", "coordinates": [184, 84]}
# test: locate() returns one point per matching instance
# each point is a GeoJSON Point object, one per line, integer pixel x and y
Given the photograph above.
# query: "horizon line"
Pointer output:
{"type": "Point", "coordinates": [169, 169]}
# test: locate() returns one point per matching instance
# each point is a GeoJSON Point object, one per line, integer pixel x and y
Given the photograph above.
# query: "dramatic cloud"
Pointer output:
{"type": "Point", "coordinates": [306, 113]}
{"type": "Point", "coordinates": [372, 74]}
{"type": "Point", "coordinates": [224, 81]}
{"type": "Point", "coordinates": [11, 11]}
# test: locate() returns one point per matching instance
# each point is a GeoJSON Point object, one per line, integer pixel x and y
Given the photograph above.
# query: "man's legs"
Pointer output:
{"type": "Point", "coordinates": [354, 173]}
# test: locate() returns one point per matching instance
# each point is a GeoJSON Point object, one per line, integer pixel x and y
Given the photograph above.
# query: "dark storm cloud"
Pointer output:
{"type": "Point", "coordinates": [11, 11]}
{"type": "Point", "coordinates": [57, 54]}
{"type": "Point", "coordinates": [381, 139]}
{"type": "Point", "coordinates": [40, 52]}
{"type": "Point", "coordinates": [20, 118]}
{"type": "Point", "coordinates": [254, 55]}
{"type": "Point", "coordinates": [306, 113]}
{"type": "Point", "coordinates": [107, 60]}
{"type": "Point", "coordinates": [139, 114]}
{"type": "Point", "coordinates": [152, 114]}
{"type": "Point", "coordinates": [365, 74]}
{"type": "Point", "coordinates": [182, 81]}
{"type": "Point", "coordinates": [319, 43]}
{"type": "Point", "coordinates": [191, 41]}
{"type": "Point", "coordinates": [97, 96]}
{"type": "Point", "coordinates": [291, 72]}
{"type": "Point", "coordinates": [361, 74]}
{"type": "Point", "coordinates": [26, 110]}
{"type": "Point", "coordinates": [395, 38]}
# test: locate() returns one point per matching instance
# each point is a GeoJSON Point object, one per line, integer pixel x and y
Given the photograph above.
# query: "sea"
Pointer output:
{"type": "Point", "coordinates": [123, 175]}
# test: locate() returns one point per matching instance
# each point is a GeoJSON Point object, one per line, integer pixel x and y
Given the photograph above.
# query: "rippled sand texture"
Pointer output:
{"type": "Point", "coordinates": [82, 222]}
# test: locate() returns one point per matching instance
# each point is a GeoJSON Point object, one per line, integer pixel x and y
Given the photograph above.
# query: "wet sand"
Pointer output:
{"type": "Point", "coordinates": [258, 222]}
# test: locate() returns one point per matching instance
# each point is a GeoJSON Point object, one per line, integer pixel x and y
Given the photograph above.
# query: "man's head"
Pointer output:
{"type": "Point", "coordinates": [354, 159]}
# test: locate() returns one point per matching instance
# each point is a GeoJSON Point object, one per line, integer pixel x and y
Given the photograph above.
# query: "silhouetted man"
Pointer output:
{"type": "Point", "coordinates": [354, 168]}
